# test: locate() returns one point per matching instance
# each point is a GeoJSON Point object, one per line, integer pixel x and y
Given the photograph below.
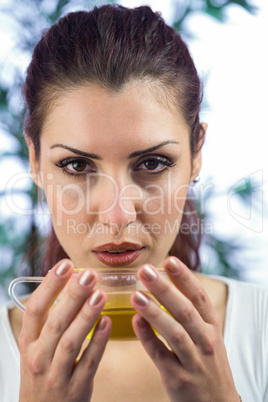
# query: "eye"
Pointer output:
{"type": "Point", "coordinates": [154, 164]}
{"type": "Point", "coordinates": [76, 166]}
{"type": "Point", "coordinates": [151, 164]}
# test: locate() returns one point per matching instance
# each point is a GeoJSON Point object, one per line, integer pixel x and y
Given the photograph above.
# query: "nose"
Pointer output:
{"type": "Point", "coordinates": [118, 203]}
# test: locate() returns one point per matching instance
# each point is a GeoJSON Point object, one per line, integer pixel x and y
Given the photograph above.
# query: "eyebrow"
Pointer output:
{"type": "Point", "coordinates": [77, 151]}
{"type": "Point", "coordinates": [132, 155]}
{"type": "Point", "coordinates": [151, 149]}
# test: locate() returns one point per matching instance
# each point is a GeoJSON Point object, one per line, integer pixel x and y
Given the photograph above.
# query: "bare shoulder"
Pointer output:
{"type": "Point", "coordinates": [15, 319]}
{"type": "Point", "coordinates": [217, 291]}
{"type": "Point", "coordinates": [214, 287]}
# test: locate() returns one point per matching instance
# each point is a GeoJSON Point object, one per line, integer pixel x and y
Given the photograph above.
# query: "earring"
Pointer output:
{"type": "Point", "coordinates": [196, 180]}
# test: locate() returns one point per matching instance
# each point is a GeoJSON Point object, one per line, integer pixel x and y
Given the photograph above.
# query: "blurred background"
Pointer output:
{"type": "Point", "coordinates": [227, 39]}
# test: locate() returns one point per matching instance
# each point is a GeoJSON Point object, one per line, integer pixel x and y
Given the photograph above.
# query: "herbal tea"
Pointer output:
{"type": "Point", "coordinates": [120, 310]}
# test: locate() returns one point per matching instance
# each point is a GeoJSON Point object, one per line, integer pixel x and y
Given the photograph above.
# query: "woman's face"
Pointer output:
{"type": "Point", "coordinates": [115, 169]}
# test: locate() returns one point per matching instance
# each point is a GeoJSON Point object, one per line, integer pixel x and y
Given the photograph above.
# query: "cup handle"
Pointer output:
{"type": "Point", "coordinates": [14, 283]}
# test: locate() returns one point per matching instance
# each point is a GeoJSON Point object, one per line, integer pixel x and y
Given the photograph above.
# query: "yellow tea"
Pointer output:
{"type": "Point", "coordinates": [121, 325]}
{"type": "Point", "coordinates": [120, 310]}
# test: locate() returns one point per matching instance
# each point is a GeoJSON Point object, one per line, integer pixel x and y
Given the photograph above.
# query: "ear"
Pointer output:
{"type": "Point", "coordinates": [34, 165]}
{"type": "Point", "coordinates": [197, 161]}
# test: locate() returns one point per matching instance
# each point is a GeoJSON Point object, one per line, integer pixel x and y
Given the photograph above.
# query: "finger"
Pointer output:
{"type": "Point", "coordinates": [71, 341]}
{"type": "Point", "coordinates": [88, 364]}
{"type": "Point", "coordinates": [65, 311]}
{"type": "Point", "coordinates": [191, 287]}
{"type": "Point", "coordinates": [171, 330]}
{"type": "Point", "coordinates": [174, 302]}
{"type": "Point", "coordinates": [42, 299]}
{"type": "Point", "coordinates": [163, 358]}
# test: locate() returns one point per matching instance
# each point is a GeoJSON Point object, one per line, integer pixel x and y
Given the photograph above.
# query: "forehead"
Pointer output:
{"type": "Point", "coordinates": [137, 114]}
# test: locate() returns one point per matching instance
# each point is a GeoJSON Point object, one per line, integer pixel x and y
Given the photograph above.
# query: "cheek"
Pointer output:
{"type": "Point", "coordinates": [165, 200]}
{"type": "Point", "coordinates": [179, 196]}
{"type": "Point", "coordinates": [162, 212]}
{"type": "Point", "coordinates": [65, 202]}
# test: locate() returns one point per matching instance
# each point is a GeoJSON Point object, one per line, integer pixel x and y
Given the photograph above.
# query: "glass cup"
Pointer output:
{"type": "Point", "coordinates": [119, 284]}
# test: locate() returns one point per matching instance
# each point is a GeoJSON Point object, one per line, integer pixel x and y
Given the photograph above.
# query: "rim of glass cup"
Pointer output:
{"type": "Point", "coordinates": [38, 279]}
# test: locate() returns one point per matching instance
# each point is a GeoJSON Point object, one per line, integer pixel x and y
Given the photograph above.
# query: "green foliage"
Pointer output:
{"type": "Point", "coordinates": [26, 20]}
{"type": "Point", "coordinates": [224, 253]}
{"type": "Point", "coordinates": [214, 8]}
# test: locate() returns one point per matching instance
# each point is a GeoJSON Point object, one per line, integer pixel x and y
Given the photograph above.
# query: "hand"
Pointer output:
{"type": "Point", "coordinates": [51, 338]}
{"type": "Point", "coordinates": [193, 365]}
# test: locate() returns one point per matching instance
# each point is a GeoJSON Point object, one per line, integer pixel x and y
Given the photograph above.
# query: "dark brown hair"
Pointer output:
{"type": "Point", "coordinates": [111, 46]}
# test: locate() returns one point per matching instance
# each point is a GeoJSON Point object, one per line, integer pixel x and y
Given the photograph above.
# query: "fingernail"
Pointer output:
{"type": "Point", "coordinates": [141, 299]}
{"type": "Point", "coordinates": [95, 298]}
{"type": "Point", "coordinates": [142, 323]}
{"type": "Point", "coordinates": [63, 268]}
{"type": "Point", "coordinates": [173, 266]}
{"type": "Point", "coordinates": [86, 278]}
{"type": "Point", "coordinates": [148, 273]}
{"type": "Point", "coordinates": [102, 324]}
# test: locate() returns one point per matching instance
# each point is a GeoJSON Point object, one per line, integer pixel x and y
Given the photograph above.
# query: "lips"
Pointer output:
{"type": "Point", "coordinates": [112, 254]}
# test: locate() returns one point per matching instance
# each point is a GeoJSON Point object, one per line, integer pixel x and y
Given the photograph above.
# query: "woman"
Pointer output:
{"type": "Point", "coordinates": [114, 142]}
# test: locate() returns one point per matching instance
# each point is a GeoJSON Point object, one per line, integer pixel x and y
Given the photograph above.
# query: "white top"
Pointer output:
{"type": "Point", "coordinates": [245, 337]}
{"type": "Point", "coordinates": [9, 359]}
